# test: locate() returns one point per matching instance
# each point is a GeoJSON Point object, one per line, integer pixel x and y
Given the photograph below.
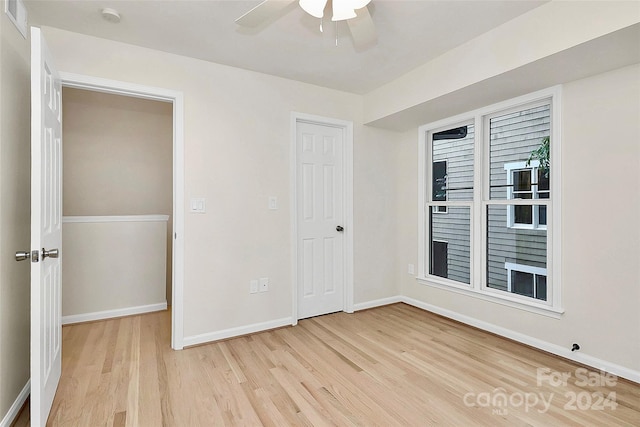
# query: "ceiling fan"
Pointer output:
{"type": "Point", "coordinates": [355, 12]}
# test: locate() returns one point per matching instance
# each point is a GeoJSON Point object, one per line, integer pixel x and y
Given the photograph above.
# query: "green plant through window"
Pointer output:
{"type": "Point", "coordinates": [541, 154]}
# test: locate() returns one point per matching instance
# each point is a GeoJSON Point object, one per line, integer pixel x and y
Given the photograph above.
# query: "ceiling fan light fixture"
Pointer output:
{"type": "Point", "coordinates": [359, 4]}
{"type": "Point", "coordinates": [314, 8]}
{"type": "Point", "coordinates": [342, 10]}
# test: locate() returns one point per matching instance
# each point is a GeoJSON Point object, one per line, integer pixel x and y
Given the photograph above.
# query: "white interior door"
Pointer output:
{"type": "Point", "coordinates": [320, 219]}
{"type": "Point", "coordinates": [46, 229]}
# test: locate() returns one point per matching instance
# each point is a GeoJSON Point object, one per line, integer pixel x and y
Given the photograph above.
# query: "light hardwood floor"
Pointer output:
{"type": "Point", "coordinates": [390, 366]}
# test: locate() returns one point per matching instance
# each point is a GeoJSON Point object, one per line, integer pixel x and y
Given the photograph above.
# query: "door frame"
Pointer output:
{"type": "Point", "coordinates": [347, 205]}
{"type": "Point", "coordinates": [115, 87]}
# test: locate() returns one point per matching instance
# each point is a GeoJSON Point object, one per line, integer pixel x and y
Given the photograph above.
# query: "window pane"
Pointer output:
{"type": "Point", "coordinates": [522, 180]}
{"type": "Point", "coordinates": [513, 137]}
{"type": "Point", "coordinates": [541, 287]}
{"type": "Point", "coordinates": [523, 214]}
{"type": "Point", "coordinates": [450, 244]}
{"type": "Point", "coordinates": [542, 215]}
{"type": "Point", "coordinates": [542, 193]}
{"type": "Point", "coordinates": [452, 168]}
{"type": "Point", "coordinates": [526, 247]}
{"type": "Point", "coordinates": [543, 181]}
{"type": "Point", "coordinates": [522, 283]}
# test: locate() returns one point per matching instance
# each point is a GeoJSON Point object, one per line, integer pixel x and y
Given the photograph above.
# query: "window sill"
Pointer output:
{"type": "Point", "coordinates": [544, 310]}
{"type": "Point", "coordinates": [516, 226]}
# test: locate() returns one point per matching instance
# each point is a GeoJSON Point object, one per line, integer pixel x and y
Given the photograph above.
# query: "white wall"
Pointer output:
{"type": "Point", "coordinates": [14, 214]}
{"type": "Point", "coordinates": [374, 213]}
{"type": "Point", "coordinates": [237, 137]}
{"type": "Point", "coordinates": [601, 208]}
{"type": "Point", "coordinates": [600, 228]}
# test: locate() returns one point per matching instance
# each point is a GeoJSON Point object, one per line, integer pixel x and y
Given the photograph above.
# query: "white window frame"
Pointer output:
{"type": "Point", "coordinates": [532, 168]}
{"type": "Point", "coordinates": [523, 268]}
{"type": "Point", "coordinates": [478, 288]}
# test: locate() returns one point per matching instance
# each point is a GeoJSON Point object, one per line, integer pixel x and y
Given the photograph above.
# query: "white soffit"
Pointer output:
{"type": "Point", "coordinates": [615, 50]}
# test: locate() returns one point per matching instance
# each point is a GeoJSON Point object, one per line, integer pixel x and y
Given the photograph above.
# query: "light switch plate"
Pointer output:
{"type": "Point", "coordinates": [198, 205]}
{"type": "Point", "coordinates": [273, 203]}
{"type": "Point", "coordinates": [253, 286]}
{"type": "Point", "coordinates": [264, 284]}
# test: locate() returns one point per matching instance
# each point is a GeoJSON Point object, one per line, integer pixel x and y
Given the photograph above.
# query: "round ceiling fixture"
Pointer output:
{"type": "Point", "coordinates": [110, 15]}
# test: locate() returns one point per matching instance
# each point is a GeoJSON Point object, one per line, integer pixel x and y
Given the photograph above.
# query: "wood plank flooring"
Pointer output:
{"type": "Point", "coordinates": [390, 366]}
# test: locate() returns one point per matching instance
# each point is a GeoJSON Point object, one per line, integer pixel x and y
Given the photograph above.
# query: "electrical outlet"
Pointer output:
{"type": "Point", "coordinates": [411, 269]}
{"type": "Point", "coordinates": [253, 286]}
{"type": "Point", "coordinates": [264, 284]}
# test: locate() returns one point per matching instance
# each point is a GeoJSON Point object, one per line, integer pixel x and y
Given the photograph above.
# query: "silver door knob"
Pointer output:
{"type": "Point", "coordinates": [52, 253]}
{"type": "Point", "coordinates": [34, 255]}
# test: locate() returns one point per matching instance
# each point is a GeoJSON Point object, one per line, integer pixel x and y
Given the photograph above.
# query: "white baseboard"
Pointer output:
{"type": "Point", "coordinates": [579, 357]}
{"type": "Point", "coordinates": [14, 410]}
{"type": "Point", "coordinates": [377, 303]}
{"type": "Point", "coordinates": [109, 314]}
{"type": "Point", "coordinates": [236, 332]}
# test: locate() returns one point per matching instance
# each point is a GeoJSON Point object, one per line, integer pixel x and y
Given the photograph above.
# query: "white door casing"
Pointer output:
{"type": "Point", "coordinates": [322, 254]}
{"type": "Point", "coordinates": [46, 229]}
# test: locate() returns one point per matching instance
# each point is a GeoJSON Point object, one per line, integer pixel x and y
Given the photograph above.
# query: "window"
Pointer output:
{"type": "Point", "coordinates": [526, 280]}
{"type": "Point", "coordinates": [525, 180]}
{"type": "Point", "coordinates": [493, 172]}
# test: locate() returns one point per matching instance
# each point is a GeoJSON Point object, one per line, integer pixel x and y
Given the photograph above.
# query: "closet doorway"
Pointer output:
{"type": "Point", "coordinates": [122, 199]}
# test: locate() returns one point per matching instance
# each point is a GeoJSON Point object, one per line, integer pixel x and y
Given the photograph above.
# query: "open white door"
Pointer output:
{"type": "Point", "coordinates": [46, 229]}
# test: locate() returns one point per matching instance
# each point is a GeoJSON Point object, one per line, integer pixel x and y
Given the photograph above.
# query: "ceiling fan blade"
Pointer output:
{"type": "Point", "coordinates": [262, 12]}
{"type": "Point", "coordinates": [362, 29]}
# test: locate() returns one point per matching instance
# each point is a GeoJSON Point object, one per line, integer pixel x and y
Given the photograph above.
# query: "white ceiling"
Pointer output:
{"type": "Point", "coordinates": [410, 33]}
